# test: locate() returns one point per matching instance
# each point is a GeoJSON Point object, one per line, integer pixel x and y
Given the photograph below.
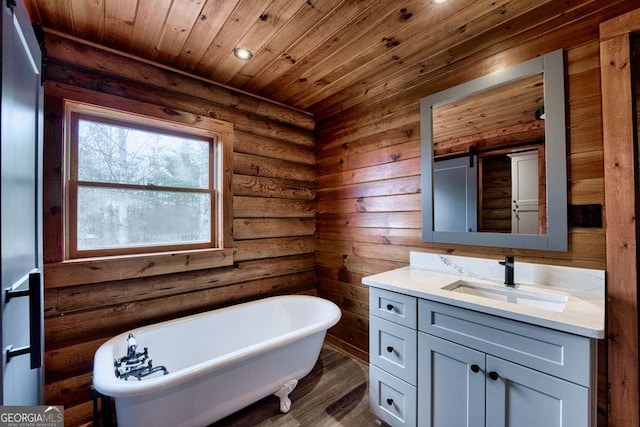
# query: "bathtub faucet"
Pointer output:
{"type": "Point", "coordinates": [135, 364]}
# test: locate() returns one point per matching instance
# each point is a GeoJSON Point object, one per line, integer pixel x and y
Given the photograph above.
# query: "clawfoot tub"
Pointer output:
{"type": "Point", "coordinates": [198, 369]}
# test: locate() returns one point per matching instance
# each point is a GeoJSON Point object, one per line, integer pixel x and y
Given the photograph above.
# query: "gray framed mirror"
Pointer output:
{"type": "Point", "coordinates": [494, 168]}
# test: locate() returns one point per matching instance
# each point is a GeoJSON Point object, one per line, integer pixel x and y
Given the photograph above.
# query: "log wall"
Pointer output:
{"type": "Point", "coordinates": [273, 216]}
{"type": "Point", "coordinates": [368, 176]}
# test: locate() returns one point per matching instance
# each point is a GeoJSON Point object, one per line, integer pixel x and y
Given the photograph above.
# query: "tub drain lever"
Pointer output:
{"type": "Point", "coordinates": [135, 364]}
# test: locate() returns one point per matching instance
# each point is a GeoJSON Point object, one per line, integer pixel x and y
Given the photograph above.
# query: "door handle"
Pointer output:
{"type": "Point", "coordinates": [35, 320]}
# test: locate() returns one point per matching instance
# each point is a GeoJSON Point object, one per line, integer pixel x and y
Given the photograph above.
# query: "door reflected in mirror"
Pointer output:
{"type": "Point", "coordinates": [494, 159]}
{"type": "Point", "coordinates": [488, 152]}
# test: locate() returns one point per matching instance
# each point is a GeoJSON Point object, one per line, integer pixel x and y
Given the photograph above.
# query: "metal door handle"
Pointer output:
{"type": "Point", "coordinates": [35, 320]}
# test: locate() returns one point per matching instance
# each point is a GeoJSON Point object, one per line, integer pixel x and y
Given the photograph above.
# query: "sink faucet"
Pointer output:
{"type": "Point", "coordinates": [509, 267]}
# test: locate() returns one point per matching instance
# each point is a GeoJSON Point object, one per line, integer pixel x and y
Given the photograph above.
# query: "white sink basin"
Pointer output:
{"type": "Point", "coordinates": [524, 297]}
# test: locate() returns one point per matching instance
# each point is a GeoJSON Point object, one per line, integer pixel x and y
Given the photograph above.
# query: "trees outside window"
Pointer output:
{"type": "Point", "coordinates": [137, 188]}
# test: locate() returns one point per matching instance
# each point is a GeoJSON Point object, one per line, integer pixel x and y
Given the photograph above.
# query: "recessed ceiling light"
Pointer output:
{"type": "Point", "coordinates": [438, 1]}
{"type": "Point", "coordinates": [242, 53]}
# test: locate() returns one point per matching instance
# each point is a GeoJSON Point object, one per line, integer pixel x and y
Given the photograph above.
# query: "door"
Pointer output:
{"type": "Point", "coordinates": [20, 194]}
{"type": "Point", "coordinates": [521, 397]}
{"type": "Point", "coordinates": [455, 195]}
{"type": "Point", "coordinates": [524, 191]}
{"type": "Point", "coordinates": [452, 384]}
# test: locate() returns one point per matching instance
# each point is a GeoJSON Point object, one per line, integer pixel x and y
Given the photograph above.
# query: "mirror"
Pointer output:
{"type": "Point", "coordinates": [494, 159]}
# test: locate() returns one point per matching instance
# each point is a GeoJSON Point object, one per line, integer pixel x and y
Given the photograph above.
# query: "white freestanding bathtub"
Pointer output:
{"type": "Point", "coordinates": [218, 362]}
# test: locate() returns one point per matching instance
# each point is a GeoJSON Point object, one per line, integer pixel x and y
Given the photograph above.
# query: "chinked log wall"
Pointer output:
{"type": "Point", "coordinates": [368, 173]}
{"type": "Point", "coordinates": [273, 215]}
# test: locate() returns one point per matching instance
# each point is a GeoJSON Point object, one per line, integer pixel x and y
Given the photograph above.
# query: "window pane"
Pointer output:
{"type": "Point", "coordinates": [110, 153]}
{"type": "Point", "coordinates": [113, 218]}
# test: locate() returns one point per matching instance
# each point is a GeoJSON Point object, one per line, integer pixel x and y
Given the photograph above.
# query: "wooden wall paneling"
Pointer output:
{"type": "Point", "coordinates": [370, 124]}
{"type": "Point", "coordinates": [261, 228]}
{"type": "Point", "coordinates": [621, 171]}
{"type": "Point", "coordinates": [110, 63]}
{"type": "Point", "coordinates": [248, 185]}
{"type": "Point", "coordinates": [586, 165]}
{"type": "Point", "coordinates": [372, 219]}
{"type": "Point", "coordinates": [396, 169]}
{"type": "Point", "coordinates": [247, 164]}
{"type": "Point", "coordinates": [397, 236]}
{"type": "Point", "coordinates": [79, 414]}
{"type": "Point", "coordinates": [588, 191]}
{"type": "Point", "coordinates": [397, 203]}
{"type": "Point", "coordinates": [273, 187]}
{"type": "Point", "coordinates": [250, 143]}
{"type": "Point", "coordinates": [328, 148]}
{"type": "Point", "coordinates": [172, 100]}
{"type": "Point", "coordinates": [84, 297]}
{"type": "Point", "coordinates": [52, 216]}
{"type": "Point", "coordinates": [97, 270]}
{"type": "Point", "coordinates": [403, 185]}
{"type": "Point", "coordinates": [353, 242]}
{"type": "Point", "coordinates": [75, 327]}
{"type": "Point", "coordinates": [393, 153]}
{"type": "Point", "coordinates": [260, 207]}
{"type": "Point", "coordinates": [275, 247]}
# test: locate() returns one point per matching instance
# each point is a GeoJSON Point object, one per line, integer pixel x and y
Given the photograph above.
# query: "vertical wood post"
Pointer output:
{"type": "Point", "coordinates": [620, 204]}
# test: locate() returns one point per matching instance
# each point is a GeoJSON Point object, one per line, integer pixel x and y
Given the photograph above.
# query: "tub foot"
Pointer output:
{"type": "Point", "coordinates": [283, 394]}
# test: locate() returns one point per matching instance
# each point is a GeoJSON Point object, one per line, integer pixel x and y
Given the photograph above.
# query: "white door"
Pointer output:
{"type": "Point", "coordinates": [524, 192]}
{"type": "Point", "coordinates": [21, 250]}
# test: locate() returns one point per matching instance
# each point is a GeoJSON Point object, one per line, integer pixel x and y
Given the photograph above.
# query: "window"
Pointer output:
{"type": "Point", "coordinates": [139, 184]}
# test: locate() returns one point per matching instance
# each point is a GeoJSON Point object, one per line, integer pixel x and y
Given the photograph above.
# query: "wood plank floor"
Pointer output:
{"type": "Point", "coordinates": [335, 393]}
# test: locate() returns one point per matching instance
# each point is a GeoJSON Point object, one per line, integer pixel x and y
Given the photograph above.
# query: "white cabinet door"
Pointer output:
{"type": "Point", "coordinates": [452, 384]}
{"type": "Point", "coordinates": [521, 397]}
{"type": "Point", "coordinates": [524, 191]}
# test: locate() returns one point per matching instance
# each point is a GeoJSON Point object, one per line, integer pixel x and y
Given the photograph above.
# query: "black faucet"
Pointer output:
{"type": "Point", "coordinates": [509, 267]}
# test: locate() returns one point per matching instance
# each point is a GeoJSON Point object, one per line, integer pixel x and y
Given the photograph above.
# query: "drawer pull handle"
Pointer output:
{"type": "Point", "coordinates": [389, 307]}
{"type": "Point", "coordinates": [390, 349]}
{"type": "Point", "coordinates": [475, 368]}
{"type": "Point", "coordinates": [494, 375]}
{"type": "Point", "coordinates": [389, 401]}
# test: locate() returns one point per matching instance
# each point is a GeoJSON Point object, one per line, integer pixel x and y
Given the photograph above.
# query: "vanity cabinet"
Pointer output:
{"type": "Point", "coordinates": [475, 369]}
{"type": "Point", "coordinates": [393, 353]}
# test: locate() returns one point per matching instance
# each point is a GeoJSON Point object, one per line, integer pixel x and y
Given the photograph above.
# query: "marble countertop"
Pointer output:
{"type": "Point", "coordinates": [583, 313]}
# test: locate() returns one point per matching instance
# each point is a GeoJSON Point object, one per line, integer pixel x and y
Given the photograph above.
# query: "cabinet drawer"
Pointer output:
{"type": "Point", "coordinates": [398, 308]}
{"type": "Point", "coordinates": [393, 347]}
{"type": "Point", "coordinates": [391, 399]}
{"type": "Point", "coordinates": [558, 353]}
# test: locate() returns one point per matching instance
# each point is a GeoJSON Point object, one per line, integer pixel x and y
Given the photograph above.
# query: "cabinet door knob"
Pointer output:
{"type": "Point", "coordinates": [389, 401]}
{"type": "Point", "coordinates": [390, 349]}
{"type": "Point", "coordinates": [389, 307]}
{"type": "Point", "coordinates": [493, 375]}
{"type": "Point", "coordinates": [475, 368]}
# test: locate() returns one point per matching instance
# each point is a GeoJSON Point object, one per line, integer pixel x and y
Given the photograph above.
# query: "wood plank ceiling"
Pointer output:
{"type": "Point", "coordinates": [322, 56]}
